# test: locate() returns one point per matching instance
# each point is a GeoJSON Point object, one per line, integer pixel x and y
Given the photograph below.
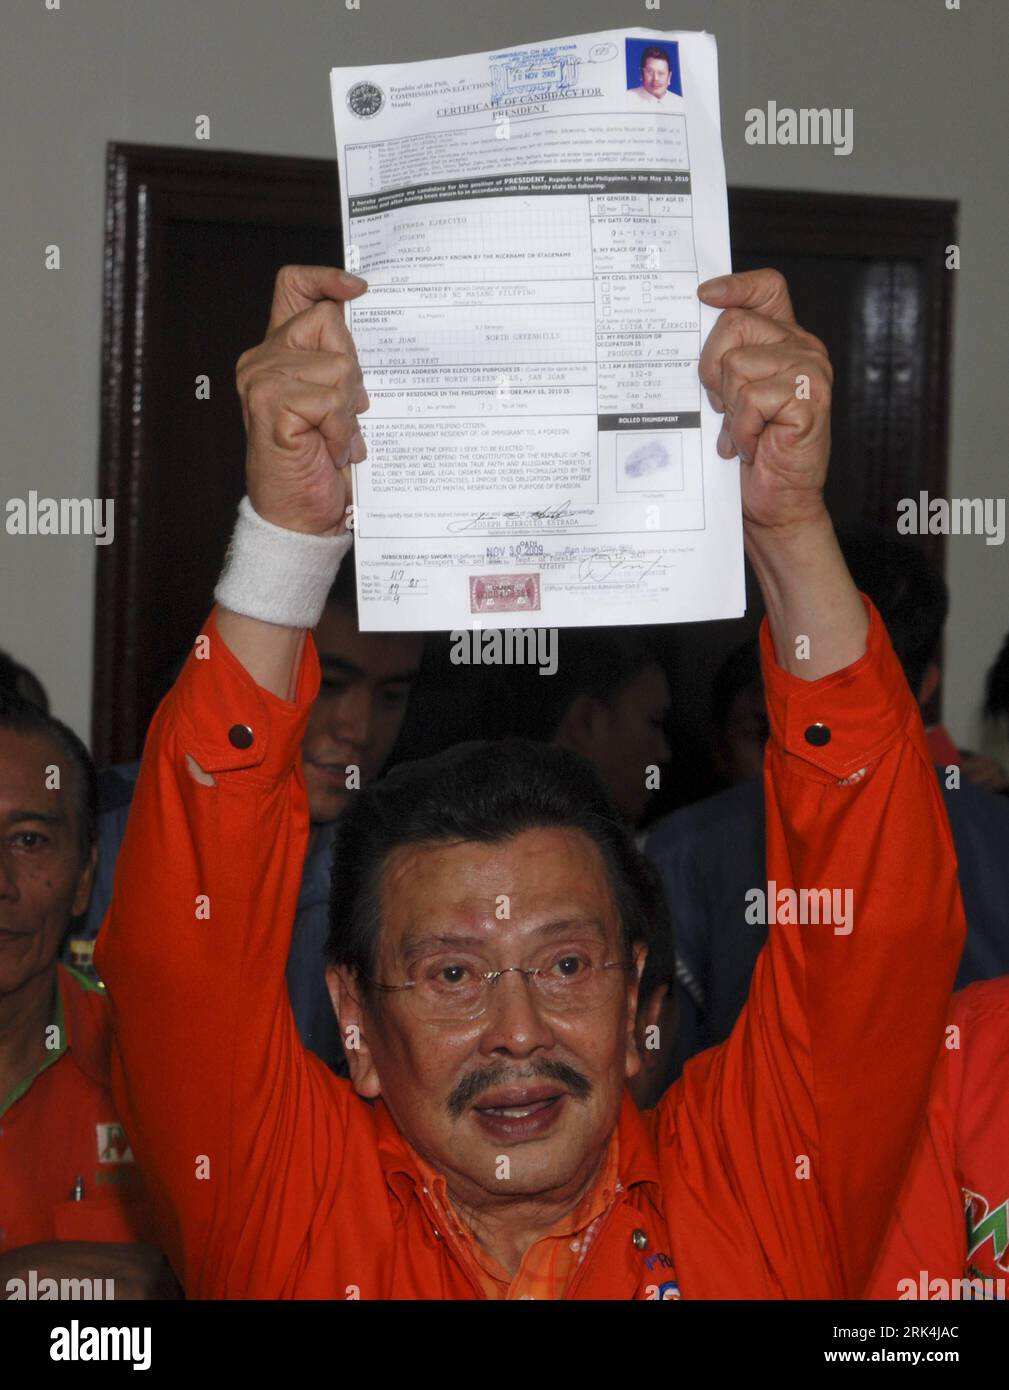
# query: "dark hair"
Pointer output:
{"type": "Point", "coordinates": [740, 669]}
{"type": "Point", "coordinates": [14, 676]}
{"type": "Point", "coordinates": [479, 793]}
{"type": "Point", "coordinates": [997, 687]}
{"type": "Point", "coordinates": [908, 590]}
{"type": "Point", "coordinates": [22, 717]}
{"type": "Point", "coordinates": [656, 53]}
{"type": "Point", "coordinates": [597, 662]}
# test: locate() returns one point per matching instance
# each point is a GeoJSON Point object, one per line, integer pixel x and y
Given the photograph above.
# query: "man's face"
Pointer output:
{"type": "Point", "coordinates": [540, 1088]}
{"type": "Point", "coordinates": [366, 678]}
{"type": "Point", "coordinates": [739, 751]}
{"type": "Point", "coordinates": [628, 737]}
{"type": "Point", "coordinates": [43, 882]}
{"type": "Point", "coordinates": [655, 76]}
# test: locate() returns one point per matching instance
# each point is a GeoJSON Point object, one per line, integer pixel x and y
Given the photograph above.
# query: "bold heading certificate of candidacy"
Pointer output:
{"type": "Point", "coordinates": [533, 226]}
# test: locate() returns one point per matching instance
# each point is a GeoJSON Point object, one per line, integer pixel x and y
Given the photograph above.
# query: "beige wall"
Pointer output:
{"type": "Point", "coordinates": [927, 87]}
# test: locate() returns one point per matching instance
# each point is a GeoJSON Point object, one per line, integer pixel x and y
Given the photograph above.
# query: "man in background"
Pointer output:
{"type": "Point", "coordinates": [18, 678]}
{"type": "Point", "coordinates": [949, 1237]}
{"type": "Point", "coordinates": [607, 702]}
{"type": "Point", "coordinates": [73, 1205]}
{"type": "Point", "coordinates": [739, 716]}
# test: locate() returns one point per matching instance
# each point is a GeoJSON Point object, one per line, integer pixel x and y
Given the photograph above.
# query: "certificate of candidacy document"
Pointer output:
{"type": "Point", "coordinates": [533, 225]}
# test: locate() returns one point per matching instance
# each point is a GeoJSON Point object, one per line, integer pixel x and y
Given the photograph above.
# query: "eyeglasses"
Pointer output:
{"type": "Point", "coordinates": [448, 988]}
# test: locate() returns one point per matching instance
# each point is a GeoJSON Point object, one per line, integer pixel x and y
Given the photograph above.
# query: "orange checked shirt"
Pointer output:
{"type": "Point", "coordinates": [66, 1169]}
{"type": "Point", "coordinates": [769, 1170]}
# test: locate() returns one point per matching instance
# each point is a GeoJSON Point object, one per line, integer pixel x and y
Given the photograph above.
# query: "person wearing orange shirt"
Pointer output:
{"type": "Point", "coordinates": [71, 1202]}
{"type": "Point", "coordinates": [490, 921]}
{"type": "Point", "coordinates": [949, 1238]}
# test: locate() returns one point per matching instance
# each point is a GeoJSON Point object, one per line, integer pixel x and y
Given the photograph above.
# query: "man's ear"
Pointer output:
{"type": "Point", "coordinates": [579, 728]}
{"type": "Point", "coordinates": [639, 954]}
{"type": "Point", "coordinates": [645, 1085]}
{"type": "Point", "coordinates": [344, 992]}
{"type": "Point", "coordinates": [649, 1014]}
{"type": "Point", "coordinates": [86, 877]}
{"type": "Point", "coordinates": [929, 682]}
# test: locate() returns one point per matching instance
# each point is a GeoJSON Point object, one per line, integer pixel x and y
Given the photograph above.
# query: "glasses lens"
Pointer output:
{"type": "Point", "coordinates": [564, 980]}
{"type": "Point", "coordinates": [574, 978]}
{"type": "Point", "coordinates": [445, 987]}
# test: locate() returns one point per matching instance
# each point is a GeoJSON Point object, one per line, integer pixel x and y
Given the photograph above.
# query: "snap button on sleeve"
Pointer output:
{"type": "Point", "coordinates": [818, 735]}
{"type": "Point", "coordinates": [640, 1239]}
{"type": "Point", "coordinates": [240, 736]}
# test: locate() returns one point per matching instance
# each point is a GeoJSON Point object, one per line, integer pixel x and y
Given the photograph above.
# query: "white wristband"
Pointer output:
{"type": "Point", "coordinates": [276, 575]}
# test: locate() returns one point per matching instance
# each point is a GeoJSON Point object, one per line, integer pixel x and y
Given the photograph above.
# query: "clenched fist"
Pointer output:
{"type": "Point", "coordinates": [301, 391]}
{"type": "Point", "coordinates": [772, 380]}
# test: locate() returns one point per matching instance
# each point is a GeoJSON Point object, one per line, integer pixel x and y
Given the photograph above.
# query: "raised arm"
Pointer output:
{"type": "Point", "coordinates": [211, 1078]}
{"type": "Point", "coordinates": [301, 390]}
{"type": "Point", "coordinates": [773, 381]}
{"type": "Point", "coordinates": [816, 1098]}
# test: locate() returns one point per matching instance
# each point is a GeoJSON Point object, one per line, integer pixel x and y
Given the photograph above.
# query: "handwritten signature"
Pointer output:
{"type": "Point", "coordinates": [630, 567]}
{"type": "Point", "coordinates": [560, 512]}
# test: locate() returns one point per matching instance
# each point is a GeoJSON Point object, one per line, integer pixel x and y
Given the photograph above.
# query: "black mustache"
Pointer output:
{"type": "Point", "coordinates": [503, 1075]}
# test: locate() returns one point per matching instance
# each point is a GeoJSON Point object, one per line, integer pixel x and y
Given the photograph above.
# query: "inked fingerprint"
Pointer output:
{"type": "Point", "coordinates": [649, 458]}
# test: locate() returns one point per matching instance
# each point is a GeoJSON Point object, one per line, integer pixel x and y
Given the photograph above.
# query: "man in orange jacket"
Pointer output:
{"type": "Point", "coordinates": [487, 940]}
{"type": "Point", "coordinates": [950, 1232]}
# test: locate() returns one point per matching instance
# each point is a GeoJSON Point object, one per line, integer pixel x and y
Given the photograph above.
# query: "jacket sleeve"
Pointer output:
{"type": "Point", "coordinates": [216, 1092]}
{"type": "Point", "coordinates": [793, 1136]}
